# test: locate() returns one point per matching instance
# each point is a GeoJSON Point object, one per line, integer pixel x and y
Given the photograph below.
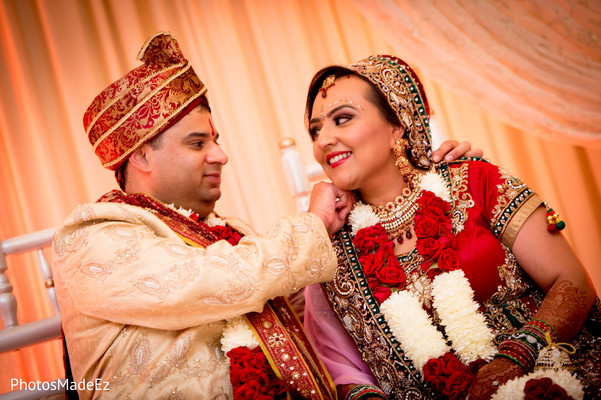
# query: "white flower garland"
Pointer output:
{"type": "Point", "coordinates": [236, 334]}
{"type": "Point", "coordinates": [433, 182]}
{"type": "Point", "coordinates": [514, 389]}
{"type": "Point", "coordinates": [185, 212]}
{"type": "Point", "coordinates": [361, 217]}
{"type": "Point", "coordinates": [464, 325]}
{"type": "Point", "coordinates": [213, 220]}
{"type": "Point", "coordinates": [413, 327]}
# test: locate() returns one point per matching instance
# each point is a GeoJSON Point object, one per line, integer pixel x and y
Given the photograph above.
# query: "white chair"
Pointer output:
{"type": "Point", "coordinates": [14, 336]}
{"type": "Point", "coordinates": [298, 174]}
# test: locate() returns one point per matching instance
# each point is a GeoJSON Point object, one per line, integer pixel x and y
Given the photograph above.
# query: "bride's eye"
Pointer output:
{"type": "Point", "coordinates": [314, 132]}
{"type": "Point", "coordinates": [341, 119]}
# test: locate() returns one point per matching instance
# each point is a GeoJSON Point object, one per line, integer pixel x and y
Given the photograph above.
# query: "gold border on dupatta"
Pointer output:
{"type": "Point", "coordinates": [283, 341]}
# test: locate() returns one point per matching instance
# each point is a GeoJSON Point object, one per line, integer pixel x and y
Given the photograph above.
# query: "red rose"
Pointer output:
{"type": "Point", "coordinates": [556, 392]}
{"type": "Point", "coordinates": [392, 275]}
{"type": "Point", "coordinates": [434, 213]}
{"type": "Point", "coordinates": [380, 292]}
{"type": "Point", "coordinates": [426, 265]}
{"type": "Point", "coordinates": [426, 227]}
{"type": "Point", "coordinates": [236, 374]}
{"type": "Point", "coordinates": [425, 198]}
{"type": "Point", "coordinates": [265, 396]}
{"type": "Point", "coordinates": [239, 355]}
{"type": "Point", "coordinates": [447, 228]}
{"type": "Point", "coordinates": [258, 360]}
{"type": "Point", "coordinates": [457, 385]}
{"type": "Point", "coordinates": [536, 388]}
{"type": "Point", "coordinates": [248, 391]}
{"type": "Point", "coordinates": [448, 260]}
{"type": "Point", "coordinates": [373, 262]}
{"type": "Point", "coordinates": [226, 233]}
{"type": "Point", "coordinates": [432, 370]}
{"type": "Point", "coordinates": [370, 263]}
{"type": "Point", "coordinates": [277, 389]}
{"type": "Point", "coordinates": [252, 377]}
{"type": "Point", "coordinates": [432, 273]}
{"type": "Point", "coordinates": [447, 240]}
{"type": "Point", "coordinates": [256, 375]}
{"type": "Point", "coordinates": [428, 248]}
{"type": "Point", "coordinates": [367, 239]}
{"type": "Point", "coordinates": [450, 364]}
{"type": "Point", "coordinates": [242, 358]}
{"type": "Point", "coordinates": [544, 388]}
{"type": "Point", "coordinates": [430, 200]}
{"type": "Point", "coordinates": [387, 250]}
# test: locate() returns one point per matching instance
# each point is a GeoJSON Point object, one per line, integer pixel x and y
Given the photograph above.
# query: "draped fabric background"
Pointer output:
{"type": "Point", "coordinates": [519, 80]}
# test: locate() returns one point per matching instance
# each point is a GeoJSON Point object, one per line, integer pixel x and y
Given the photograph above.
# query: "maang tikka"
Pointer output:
{"type": "Point", "coordinates": [326, 84]}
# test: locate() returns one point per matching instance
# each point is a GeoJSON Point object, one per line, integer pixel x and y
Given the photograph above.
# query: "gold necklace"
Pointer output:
{"type": "Point", "coordinates": [397, 216]}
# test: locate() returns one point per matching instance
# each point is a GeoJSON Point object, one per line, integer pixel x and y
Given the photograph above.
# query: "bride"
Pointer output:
{"type": "Point", "coordinates": [453, 278]}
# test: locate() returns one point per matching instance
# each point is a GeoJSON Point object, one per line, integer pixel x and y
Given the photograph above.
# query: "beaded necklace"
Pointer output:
{"type": "Point", "coordinates": [397, 216]}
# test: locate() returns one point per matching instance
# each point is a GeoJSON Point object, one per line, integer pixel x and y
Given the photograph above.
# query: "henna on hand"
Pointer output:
{"type": "Point", "coordinates": [493, 375]}
{"type": "Point", "coordinates": [565, 307]}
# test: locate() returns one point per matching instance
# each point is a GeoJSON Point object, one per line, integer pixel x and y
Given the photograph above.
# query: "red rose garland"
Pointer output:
{"type": "Point", "coordinates": [226, 233]}
{"type": "Point", "coordinates": [380, 265]}
{"type": "Point", "coordinates": [449, 376]}
{"type": "Point", "coordinates": [435, 237]}
{"type": "Point", "coordinates": [252, 377]}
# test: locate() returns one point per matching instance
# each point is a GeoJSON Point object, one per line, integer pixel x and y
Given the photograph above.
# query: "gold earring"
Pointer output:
{"type": "Point", "coordinates": [400, 152]}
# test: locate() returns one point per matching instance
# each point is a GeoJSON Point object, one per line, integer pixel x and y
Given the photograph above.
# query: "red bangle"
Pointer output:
{"type": "Point", "coordinates": [545, 327]}
{"type": "Point", "coordinates": [360, 392]}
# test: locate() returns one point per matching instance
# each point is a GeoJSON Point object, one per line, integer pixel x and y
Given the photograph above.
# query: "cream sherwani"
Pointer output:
{"type": "Point", "coordinates": [143, 313]}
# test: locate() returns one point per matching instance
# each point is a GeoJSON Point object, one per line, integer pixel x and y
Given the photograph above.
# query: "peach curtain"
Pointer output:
{"type": "Point", "coordinates": [257, 57]}
{"type": "Point", "coordinates": [534, 64]}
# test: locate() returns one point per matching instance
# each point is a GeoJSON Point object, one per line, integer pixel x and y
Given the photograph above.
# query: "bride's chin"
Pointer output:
{"type": "Point", "coordinates": [344, 185]}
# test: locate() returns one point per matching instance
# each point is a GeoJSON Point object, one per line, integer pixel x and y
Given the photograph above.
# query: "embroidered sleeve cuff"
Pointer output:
{"type": "Point", "coordinates": [518, 218]}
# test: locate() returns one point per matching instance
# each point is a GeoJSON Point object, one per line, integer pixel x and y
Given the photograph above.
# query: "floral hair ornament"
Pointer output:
{"type": "Point", "coordinates": [327, 83]}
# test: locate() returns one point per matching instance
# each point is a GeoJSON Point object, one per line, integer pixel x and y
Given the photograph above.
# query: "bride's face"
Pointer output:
{"type": "Point", "coordinates": [351, 140]}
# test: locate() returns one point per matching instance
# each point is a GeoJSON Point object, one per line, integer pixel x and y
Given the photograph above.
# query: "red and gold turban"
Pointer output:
{"type": "Point", "coordinates": [144, 102]}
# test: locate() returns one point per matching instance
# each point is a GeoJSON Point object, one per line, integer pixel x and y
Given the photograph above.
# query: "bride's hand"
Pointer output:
{"type": "Point", "coordinates": [491, 376]}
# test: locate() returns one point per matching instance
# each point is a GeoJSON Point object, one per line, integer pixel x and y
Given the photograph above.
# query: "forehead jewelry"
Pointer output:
{"type": "Point", "coordinates": [322, 115]}
{"type": "Point", "coordinates": [327, 83]}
